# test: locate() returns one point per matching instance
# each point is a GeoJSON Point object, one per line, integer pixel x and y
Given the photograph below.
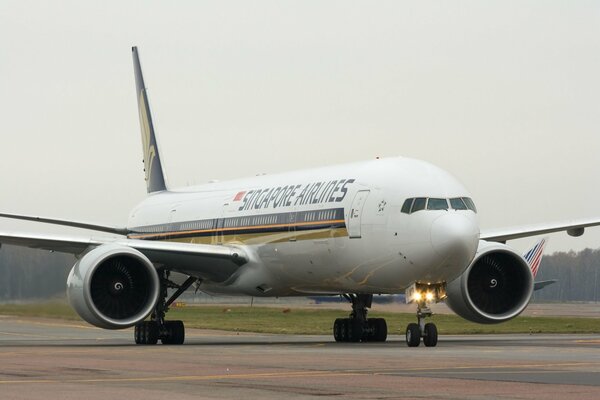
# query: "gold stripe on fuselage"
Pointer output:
{"type": "Point", "coordinates": [215, 232]}
{"type": "Point", "coordinates": [264, 238]}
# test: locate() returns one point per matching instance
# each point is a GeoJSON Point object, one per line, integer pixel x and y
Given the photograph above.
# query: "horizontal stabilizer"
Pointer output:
{"type": "Point", "coordinates": [542, 284]}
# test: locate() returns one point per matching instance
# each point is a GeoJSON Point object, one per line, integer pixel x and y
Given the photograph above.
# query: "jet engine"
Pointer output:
{"type": "Point", "coordinates": [496, 286]}
{"type": "Point", "coordinates": [113, 287]}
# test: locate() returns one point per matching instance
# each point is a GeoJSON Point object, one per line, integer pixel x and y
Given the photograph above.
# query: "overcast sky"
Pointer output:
{"type": "Point", "coordinates": [505, 95]}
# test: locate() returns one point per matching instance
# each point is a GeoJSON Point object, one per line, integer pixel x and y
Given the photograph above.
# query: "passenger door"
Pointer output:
{"type": "Point", "coordinates": [354, 219]}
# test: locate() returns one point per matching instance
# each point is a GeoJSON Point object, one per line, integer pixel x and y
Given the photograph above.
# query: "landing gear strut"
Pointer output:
{"type": "Point", "coordinates": [169, 332]}
{"type": "Point", "coordinates": [359, 328]}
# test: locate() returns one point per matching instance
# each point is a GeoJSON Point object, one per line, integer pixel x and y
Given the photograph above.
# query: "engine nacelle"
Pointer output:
{"type": "Point", "coordinates": [496, 287]}
{"type": "Point", "coordinates": [113, 287]}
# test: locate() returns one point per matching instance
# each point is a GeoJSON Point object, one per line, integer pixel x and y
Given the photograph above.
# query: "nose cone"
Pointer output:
{"type": "Point", "coordinates": [454, 238]}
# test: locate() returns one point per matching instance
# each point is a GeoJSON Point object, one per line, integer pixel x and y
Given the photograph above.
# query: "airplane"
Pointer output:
{"type": "Point", "coordinates": [384, 226]}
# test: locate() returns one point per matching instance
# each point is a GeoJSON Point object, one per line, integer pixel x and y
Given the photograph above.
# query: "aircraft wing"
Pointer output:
{"type": "Point", "coordinates": [214, 262]}
{"type": "Point", "coordinates": [61, 243]}
{"type": "Point", "coordinates": [205, 261]}
{"type": "Point", "coordinates": [573, 228]}
{"type": "Point", "coordinates": [75, 224]}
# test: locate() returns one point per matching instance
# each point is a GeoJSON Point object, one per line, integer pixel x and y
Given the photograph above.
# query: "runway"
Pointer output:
{"type": "Point", "coordinates": [48, 359]}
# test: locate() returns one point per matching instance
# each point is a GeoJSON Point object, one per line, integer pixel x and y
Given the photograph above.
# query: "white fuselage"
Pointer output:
{"type": "Point", "coordinates": [329, 230]}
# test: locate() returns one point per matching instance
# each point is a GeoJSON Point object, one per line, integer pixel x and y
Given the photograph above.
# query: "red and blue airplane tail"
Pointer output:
{"type": "Point", "coordinates": [534, 256]}
{"type": "Point", "coordinates": [534, 259]}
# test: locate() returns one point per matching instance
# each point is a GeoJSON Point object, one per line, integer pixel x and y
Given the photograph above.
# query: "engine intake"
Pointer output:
{"type": "Point", "coordinates": [113, 287]}
{"type": "Point", "coordinates": [496, 286]}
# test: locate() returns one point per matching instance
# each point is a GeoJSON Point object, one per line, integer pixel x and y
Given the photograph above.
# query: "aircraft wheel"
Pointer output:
{"type": "Point", "coordinates": [146, 332]}
{"type": "Point", "coordinates": [338, 327]}
{"type": "Point", "coordinates": [380, 330]}
{"type": "Point", "coordinates": [430, 335]}
{"type": "Point", "coordinates": [376, 330]}
{"type": "Point", "coordinates": [355, 330]}
{"type": "Point", "coordinates": [174, 333]}
{"type": "Point", "coordinates": [413, 335]}
{"type": "Point", "coordinates": [344, 322]}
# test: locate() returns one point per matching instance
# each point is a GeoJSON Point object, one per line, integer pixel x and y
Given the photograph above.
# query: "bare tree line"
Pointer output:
{"type": "Point", "coordinates": [578, 275]}
{"type": "Point", "coordinates": [32, 274]}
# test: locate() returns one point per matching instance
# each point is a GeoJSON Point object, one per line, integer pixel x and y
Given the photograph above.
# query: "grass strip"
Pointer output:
{"type": "Point", "coordinates": [312, 321]}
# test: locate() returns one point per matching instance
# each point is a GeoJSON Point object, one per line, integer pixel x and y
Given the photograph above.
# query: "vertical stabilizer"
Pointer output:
{"type": "Point", "coordinates": [534, 256]}
{"type": "Point", "coordinates": [155, 180]}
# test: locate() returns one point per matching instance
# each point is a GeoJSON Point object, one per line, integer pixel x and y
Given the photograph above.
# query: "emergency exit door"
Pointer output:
{"type": "Point", "coordinates": [354, 220]}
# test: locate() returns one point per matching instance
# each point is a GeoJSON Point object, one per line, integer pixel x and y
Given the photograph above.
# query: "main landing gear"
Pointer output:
{"type": "Point", "coordinates": [423, 295]}
{"type": "Point", "coordinates": [359, 328]}
{"type": "Point", "coordinates": [168, 332]}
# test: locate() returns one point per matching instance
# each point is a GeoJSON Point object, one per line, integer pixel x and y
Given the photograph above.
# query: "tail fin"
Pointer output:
{"type": "Point", "coordinates": [534, 256]}
{"type": "Point", "coordinates": [155, 180]}
{"type": "Point", "coordinates": [534, 259]}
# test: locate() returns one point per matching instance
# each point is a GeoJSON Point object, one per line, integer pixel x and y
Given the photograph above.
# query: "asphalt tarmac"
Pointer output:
{"type": "Point", "coordinates": [49, 359]}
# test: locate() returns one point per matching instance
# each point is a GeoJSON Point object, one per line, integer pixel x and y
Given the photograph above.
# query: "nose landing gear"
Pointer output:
{"type": "Point", "coordinates": [427, 331]}
{"type": "Point", "coordinates": [423, 294]}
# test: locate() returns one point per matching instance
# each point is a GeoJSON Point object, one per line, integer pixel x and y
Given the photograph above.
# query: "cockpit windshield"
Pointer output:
{"type": "Point", "coordinates": [418, 204]}
{"type": "Point", "coordinates": [437, 204]}
{"type": "Point", "coordinates": [458, 204]}
{"type": "Point", "coordinates": [415, 204]}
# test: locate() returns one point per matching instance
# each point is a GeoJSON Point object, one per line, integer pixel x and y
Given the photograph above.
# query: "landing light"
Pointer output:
{"type": "Point", "coordinates": [426, 292]}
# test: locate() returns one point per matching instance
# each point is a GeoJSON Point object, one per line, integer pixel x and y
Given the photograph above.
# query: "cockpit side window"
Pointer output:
{"type": "Point", "coordinates": [470, 204]}
{"type": "Point", "coordinates": [437, 204]}
{"type": "Point", "coordinates": [458, 204]}
{"type": "Point", "coordinates": [407, 206]}
{"type": "Point", "coordinates": [419, 204]}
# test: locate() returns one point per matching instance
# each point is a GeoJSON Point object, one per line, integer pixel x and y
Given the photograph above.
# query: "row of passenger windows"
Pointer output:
{"type": "Point", "coordinates": [235, 222]}
{"type": "Point", "coordinates": [311, 216]}
{"type": "Point", "coordinates": [184, 226]}
{"type": "Point", "coordinates": [425, 203]}
{"type": "Point", "coordinates": [199, 225]}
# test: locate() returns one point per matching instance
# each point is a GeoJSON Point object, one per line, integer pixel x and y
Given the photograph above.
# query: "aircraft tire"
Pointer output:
{"type": "Point", "coordinates": [338, 327]}
{"type": "Point", "coordinates": [175, 333]}
{"type": "Point", "coordinates": [146, 332]}
{"type": "Point", "coordinates": [380, 330]}
{"type": "Point", "coordinates": [344, 323]}
{"type": "Point", "coordinates": [355, 330]}
{"type": "Point", "coordinates": [413, 335]}
{"type": "Point", "coordinates": [430, 335]}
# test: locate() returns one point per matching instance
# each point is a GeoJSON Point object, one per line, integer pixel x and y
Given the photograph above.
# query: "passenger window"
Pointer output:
{"type": "Point", "coordinates": [418, 204]}
{"type": "Point", "coordinates": [406, 206]}
{"type": "Point", "coordinates": [437, 204]}
{"type": "Point", "coordinates": [458, 204]}
{"type": "Point", "coordinates": [470, 204]}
